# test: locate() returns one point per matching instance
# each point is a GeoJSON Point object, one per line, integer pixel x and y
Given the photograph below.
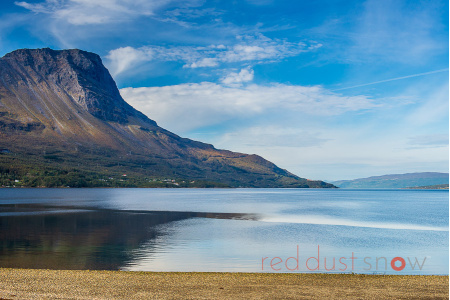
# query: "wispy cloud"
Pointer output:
{"type": "Point", "coordinates": [77, 23]}
{"type": "Point", "coordinates": [431, 108]}
{"type": "Point", "coordinates": [273, 136]}
{"type": "Point", "coordinates": [379, 32]}
{"type": "Point", "coordinates": [191, 13]}
{"type": "Point", "coordinates": [124, 58]}
{"type": "Point", "coordinates": [429, 140]}
{"type": "Point", "coordinates": [337, 152]}
{"type": "Point", "coordinates": [188, 106]}
{"type": "Point", "coordinates": [248, 48]}
{"type": "Point", "coordinates": [396, 31]}
{"type": "Point", "coordinates": [393, 79]}
{"type": "Point", "coordinates": [85, 12]}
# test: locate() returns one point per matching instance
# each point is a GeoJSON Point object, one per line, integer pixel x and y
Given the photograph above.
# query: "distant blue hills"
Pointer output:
{"type": "Point", "coordinates": [395, 181]}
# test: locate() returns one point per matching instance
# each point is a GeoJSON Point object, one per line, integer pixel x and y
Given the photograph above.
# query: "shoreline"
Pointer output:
{"type": "Point", "coordinates": [86, 284]}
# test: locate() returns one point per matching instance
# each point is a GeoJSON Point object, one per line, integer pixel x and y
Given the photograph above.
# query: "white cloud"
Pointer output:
{"type": "Point", "coordinates": [84, 12]}
{"type": "Point", "coordinates": [204, 62]}
{"type": "Point", "coordinates": [429, 140]}
{"type": "Point", "coordinates": [188, 106]}
{"type": "Point", "coordinates": [45, 7]}
{"type": "Point", "coordinates": [89, 23]}
{"type": "Point", "coordinates": [308, 130]}
{"type": "Point", "coordinates": [126, 57]}
{"type": "Point", "coordinates": [255, 48]}
{"type": "Point", "coordinates": [432, 108]}
{"type": "Point", "coordinates": [337, 152]}
{"type": "Point", "coordinates": [236, 79]}
{"type": "Point", "coordinates": [270, 136]}
{"type": "Point", "coordinates": [190, 13]}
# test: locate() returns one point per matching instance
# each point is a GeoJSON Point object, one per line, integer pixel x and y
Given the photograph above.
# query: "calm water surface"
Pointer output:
{"type": "Point", "coordinates": [244, 230]}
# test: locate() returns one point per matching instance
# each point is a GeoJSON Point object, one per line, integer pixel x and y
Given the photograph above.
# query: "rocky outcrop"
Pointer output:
{"type": "Point", "coordinates": [78, 73]}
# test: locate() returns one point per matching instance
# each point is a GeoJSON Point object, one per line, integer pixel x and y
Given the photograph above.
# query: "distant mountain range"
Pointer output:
{"type": "Point", "coordinates": [63, 122]}
{"type": "Point", "coordinates": [431, 187]}
{"type": "Point", "coordinates": [395, 181]}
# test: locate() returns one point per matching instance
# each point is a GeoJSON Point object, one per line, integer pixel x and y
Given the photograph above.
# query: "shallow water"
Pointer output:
{"type": "Point", "coordinates": [244, 230]}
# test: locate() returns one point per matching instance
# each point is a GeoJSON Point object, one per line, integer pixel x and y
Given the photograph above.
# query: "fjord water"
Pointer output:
{"type": "Point", "coordinates": [230, 230]}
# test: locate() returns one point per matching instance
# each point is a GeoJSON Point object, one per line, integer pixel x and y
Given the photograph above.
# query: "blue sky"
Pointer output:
{"type": "Point", "coordinates": [326, 89]}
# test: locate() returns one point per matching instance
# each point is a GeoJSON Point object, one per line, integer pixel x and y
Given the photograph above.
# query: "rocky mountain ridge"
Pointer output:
{"type": "Point", "coordinates": [61, 109]}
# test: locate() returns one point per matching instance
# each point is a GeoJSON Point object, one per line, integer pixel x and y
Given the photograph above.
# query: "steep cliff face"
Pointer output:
{"type": "Point", "coordinates": [68, 96]}
{"type": "Point", "coordinates": [79, 74]}
{"type": "Point", "coordinates": [66, 102]}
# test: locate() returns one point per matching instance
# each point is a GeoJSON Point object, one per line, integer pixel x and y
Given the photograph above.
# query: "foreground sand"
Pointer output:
{"type": "Point", "coordinates": [53, 284]}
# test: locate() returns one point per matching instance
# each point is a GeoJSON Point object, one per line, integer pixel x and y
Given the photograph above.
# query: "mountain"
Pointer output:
{"type": "Point", "coordinates": [63, 122]}
{"type": "Point", "coordinates": [395, 181]}
{"type": "Point", "coordinates": [430, 187]}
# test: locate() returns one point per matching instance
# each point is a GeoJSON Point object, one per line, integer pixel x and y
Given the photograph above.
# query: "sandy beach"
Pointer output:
{"type": "Point", "coordinates": [58, 284]}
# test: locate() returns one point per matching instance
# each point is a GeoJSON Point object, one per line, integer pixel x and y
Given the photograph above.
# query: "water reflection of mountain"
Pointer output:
{"type": "Point", "coordinates": [35, 236]}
